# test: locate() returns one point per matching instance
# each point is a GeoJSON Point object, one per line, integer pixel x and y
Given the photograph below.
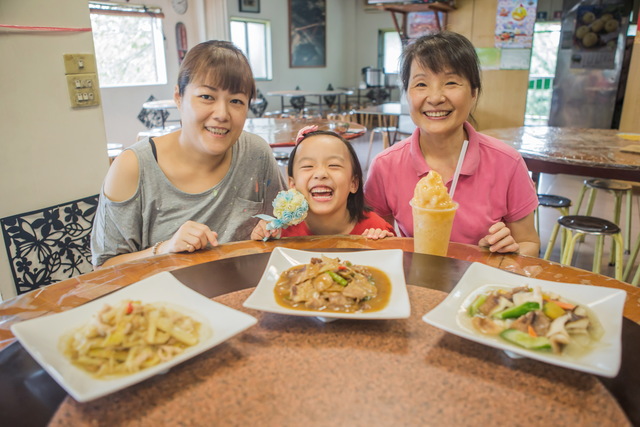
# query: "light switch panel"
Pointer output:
{"type": "Point", "coordinates": [76, 63]}
{"type": "Point", "coordinates": [83, 90]}
{"type": "Point", "coordinates": [82, 79]}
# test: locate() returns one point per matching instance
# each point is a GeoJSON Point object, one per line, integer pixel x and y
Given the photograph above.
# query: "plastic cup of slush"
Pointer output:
{"type": "Point", "coordinates": [432, 229]}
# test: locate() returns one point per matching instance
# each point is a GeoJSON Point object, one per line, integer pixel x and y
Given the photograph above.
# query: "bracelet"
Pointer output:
{"type": "Point", "coordinates": [154, 250]}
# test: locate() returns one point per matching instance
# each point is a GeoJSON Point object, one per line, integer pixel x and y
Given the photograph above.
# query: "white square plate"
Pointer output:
{"type": "Point", "coordinates": [41, 336]}
{"type": "Point", "coordinates": [388, 261]}
{"type": "Point", "coordinates": [605, 303]}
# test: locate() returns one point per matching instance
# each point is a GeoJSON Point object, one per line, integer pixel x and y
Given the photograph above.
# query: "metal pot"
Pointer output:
{"type": "Point", "coordinates": [373, 77]}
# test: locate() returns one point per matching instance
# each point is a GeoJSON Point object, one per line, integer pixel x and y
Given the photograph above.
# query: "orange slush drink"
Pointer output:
{"type": "Point", "coordinates": [433, 212]}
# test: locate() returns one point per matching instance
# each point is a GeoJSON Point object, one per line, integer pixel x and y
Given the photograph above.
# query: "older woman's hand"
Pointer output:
{"type": "Point", "coordinates": [190, 237]}
{"type": "Point", "coordinates": [499, 239]}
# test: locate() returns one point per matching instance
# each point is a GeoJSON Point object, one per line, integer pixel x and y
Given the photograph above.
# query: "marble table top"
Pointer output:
{"type": "Point", "coordinates": [600, 150]}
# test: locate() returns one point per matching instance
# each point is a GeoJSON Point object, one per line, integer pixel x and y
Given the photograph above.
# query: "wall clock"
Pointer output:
{"type": "Point", "coordinates": [180, 6]}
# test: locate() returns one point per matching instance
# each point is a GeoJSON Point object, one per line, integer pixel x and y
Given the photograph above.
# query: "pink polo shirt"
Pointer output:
{"type": "Point", "coordinates": [494, 185]}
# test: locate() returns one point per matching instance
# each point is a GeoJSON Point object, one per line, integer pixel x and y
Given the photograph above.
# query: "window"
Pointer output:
{"type": "Point", "coordinates": [253, 38]}
{"type": "Point", "coordinates": [390, 49]}
{"type": "Point", "coordinates": [546, 39]}
{"type": "Point", "coordinates": [129, 44]}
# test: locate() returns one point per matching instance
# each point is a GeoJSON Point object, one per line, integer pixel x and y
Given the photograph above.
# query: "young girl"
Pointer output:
{"type": "Point", "coordinates": [325, 169]}
{"type": "Point", "coordinates": [198, 186]}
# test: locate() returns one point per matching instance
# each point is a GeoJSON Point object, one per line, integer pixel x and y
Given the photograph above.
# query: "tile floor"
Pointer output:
{"type": "Point", "coordinates": [561, 185]}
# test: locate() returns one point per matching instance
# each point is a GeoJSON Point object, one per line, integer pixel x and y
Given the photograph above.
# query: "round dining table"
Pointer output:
{"type": "Point", "coordinates": [598, 153]}
{"type": "Point", "coordinates": [282, 132]}
{"type": "Point", "coordinates": [291, 370]}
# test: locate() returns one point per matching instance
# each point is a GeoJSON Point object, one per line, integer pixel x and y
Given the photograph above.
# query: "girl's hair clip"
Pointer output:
{"type": "Point", "coordinates": [304, 131]}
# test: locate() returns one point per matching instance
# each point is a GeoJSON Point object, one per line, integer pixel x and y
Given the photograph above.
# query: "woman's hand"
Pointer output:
{"type": "Point", "coordinates": [499, 239]}
{"type": "Point", "coordinates": [190, 237]}
{"type": "Point", "coordinates": [377, 233]}
{"type": "Point", "coordinates": [518, 236]}
{"type": "Point", "coordinates": [260, 232]}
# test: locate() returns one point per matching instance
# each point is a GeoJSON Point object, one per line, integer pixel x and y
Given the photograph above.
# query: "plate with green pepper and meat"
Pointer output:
{"type": "Point", "coordinates": [333, 285]}
{"type": "Point", "coordinates": [571, 325]}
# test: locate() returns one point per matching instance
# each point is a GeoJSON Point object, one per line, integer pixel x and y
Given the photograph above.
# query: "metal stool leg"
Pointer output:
{"type": "Point", "coordinates": [563, 236]}
{"type": "Point", "coordinates": [627, 224]}
{"type": "Point", "coordinates": [619, 250]}
{"type": "Point", "coordinates": [636, 277]}
{"type": "Point", "coordinates": [592, 201]}
{"type": "Point", "coordinates": [632, 259]}
{"type": "Point", "coordinates": [552, 241]}
{"type": "Point", "coordinates": [571, 244]}
{"type": "Point", "coordinates": [616, 219]}
{"type": "Point", "coordinates": [579, 204]}
{"type": "Point", "coordinates": [597, 255]}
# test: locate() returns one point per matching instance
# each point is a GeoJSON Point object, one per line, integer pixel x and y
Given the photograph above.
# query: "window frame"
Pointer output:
{"type": "Point", "coordinates": [381, 48]}
{"type": "Point", "coordinates": [157, 33]}
{"type": "Point", "coordinates": [267, 40]}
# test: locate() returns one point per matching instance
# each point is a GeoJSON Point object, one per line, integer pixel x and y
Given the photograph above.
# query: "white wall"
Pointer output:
{"type": "Point", "coordinates": [51, 153]}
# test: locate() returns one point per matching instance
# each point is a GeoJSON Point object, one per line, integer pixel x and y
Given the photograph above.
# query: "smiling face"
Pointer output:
{"type": "Point", "coordinates": [440, 102]}
{"type": "Point", "coordinates": [212, 118]}
{"type": "Point", "coordinates": [323, 173]}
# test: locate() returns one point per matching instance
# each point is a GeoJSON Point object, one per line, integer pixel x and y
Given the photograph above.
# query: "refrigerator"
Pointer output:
{"type": "Point", "coordinates": [590, 63]}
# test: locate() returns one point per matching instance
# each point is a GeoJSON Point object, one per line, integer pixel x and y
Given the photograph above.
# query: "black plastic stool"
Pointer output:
{"type": "Point", "coordinates": [581, 225]}
{"type": "Point", "coordinates": [618, 188]}
{"type": "Point", "coordinates": [556, 202]}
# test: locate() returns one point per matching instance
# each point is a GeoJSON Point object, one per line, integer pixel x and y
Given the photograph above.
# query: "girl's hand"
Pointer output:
{"type": "Point", "coordinates": [190, 237]}
{"type": "Point", "coordinates": [377, 233]}
{"type": "Point", "coordinates": [499, 239]}
{"type": "Point", "coordinates": [260, 232]}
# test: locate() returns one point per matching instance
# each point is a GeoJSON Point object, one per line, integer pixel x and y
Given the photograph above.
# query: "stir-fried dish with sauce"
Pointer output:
{"type": "Point", "coordinates": [328, 284]}
{"type": "Point", "coordinates": [129, 337]}
{"type": "Point", "coordinates": [534, 320]}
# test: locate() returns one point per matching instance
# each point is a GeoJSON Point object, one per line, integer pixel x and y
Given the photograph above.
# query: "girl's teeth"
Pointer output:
{"type": "Point", "coordinates": [322, 193]}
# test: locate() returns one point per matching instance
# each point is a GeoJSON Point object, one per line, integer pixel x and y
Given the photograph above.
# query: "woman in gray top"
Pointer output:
{"type": "Point", "coordinates": [199, 185]}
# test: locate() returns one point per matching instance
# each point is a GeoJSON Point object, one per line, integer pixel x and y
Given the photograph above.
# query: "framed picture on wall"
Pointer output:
{"type": "Point", "coordinates": [307, 33]}
{"type": "Point", "coordinates": [252, 6]}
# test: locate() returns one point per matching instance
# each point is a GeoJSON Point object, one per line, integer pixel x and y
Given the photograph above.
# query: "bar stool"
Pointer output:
{"type": "Point", "coordinates": [387, 125]}
{"type": "Point", "coordinates": [562, 204]}
{"type": "Point", "coordinates": [618, 188]}
{"type": "Point", "coordinates": [582, 225]}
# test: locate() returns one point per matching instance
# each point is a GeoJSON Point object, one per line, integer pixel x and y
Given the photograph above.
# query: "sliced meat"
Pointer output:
{"type": "Point", "coordinates": [303, 291]}
{"type": "Point", "coordinates": [360, 288]}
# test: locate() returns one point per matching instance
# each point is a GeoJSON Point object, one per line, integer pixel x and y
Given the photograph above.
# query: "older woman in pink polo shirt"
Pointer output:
{"type": "Point", "coordinates": [441, 78]}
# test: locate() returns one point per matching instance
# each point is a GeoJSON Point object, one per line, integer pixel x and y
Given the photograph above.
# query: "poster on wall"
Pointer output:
{"type": "Point", "coordinates": [596, 36]}
{"type": "Point", "coordinates": [423, 23]}
{"type": "Point", "coordinates": [307, 33]}
{"type": "Point", "coordinates": [181, 41]}
{"type": "Point", "coordinates": [514, 23]}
